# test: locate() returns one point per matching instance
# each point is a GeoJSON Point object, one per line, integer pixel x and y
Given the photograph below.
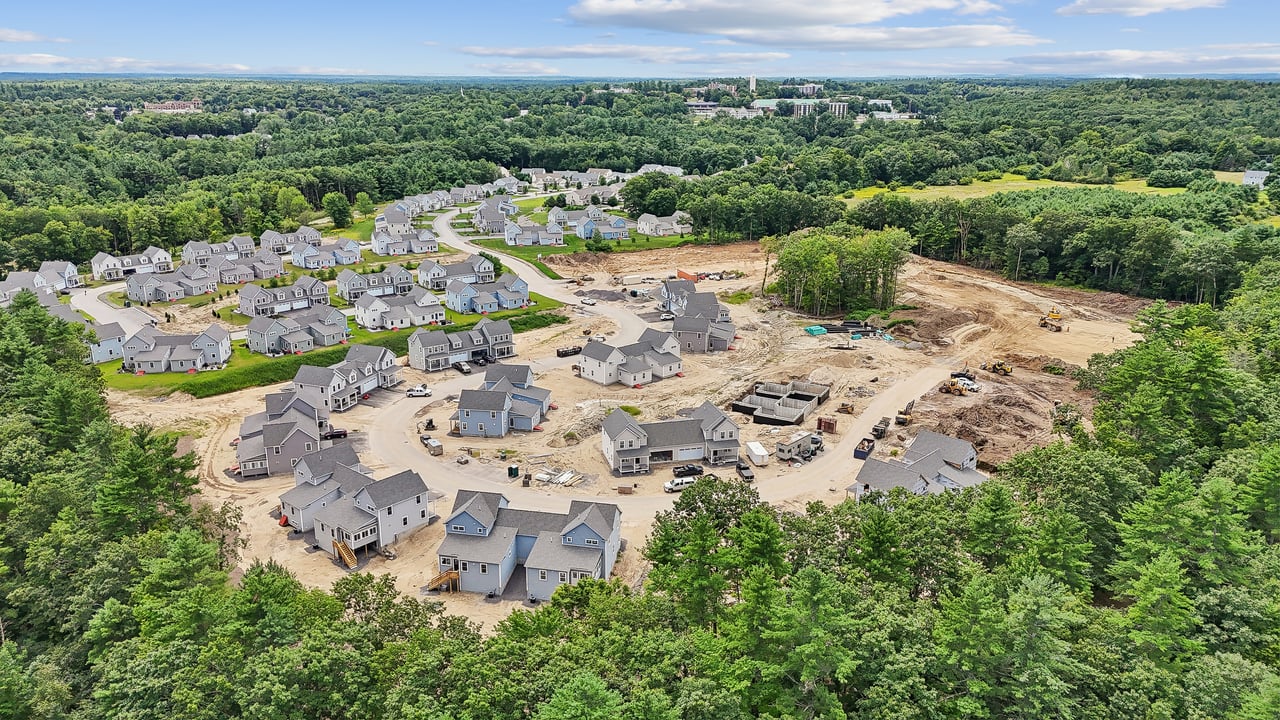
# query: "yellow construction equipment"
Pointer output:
{"type": "Point", "coordinates": [952, 387]}
{"type": "Point", "coordinates": [1054, 314]}
{"type": "Point", "coordinates": [846, 408]}
{"type": "Point", "coordinates": [999, 367]}
{"type": "Point", "coordinates": [344, 552]}
{"type": "Point", "coordinates": [1053, 325]}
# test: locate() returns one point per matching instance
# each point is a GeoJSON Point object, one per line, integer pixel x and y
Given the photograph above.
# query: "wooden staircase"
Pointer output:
{"type": "Point", "coordinates": [447, 578]}
{"type": "Point", "coordinates": [344, 552]}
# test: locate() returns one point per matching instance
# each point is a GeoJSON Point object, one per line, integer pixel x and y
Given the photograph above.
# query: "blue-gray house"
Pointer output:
{"type": "Point", "coordinates": [487, 544]}
{"type": "Point", "coordinates": [507, 293]}
{"type": "Point", "coordinates": [508, 400]}
{"type": "Point", "coordinates": [610, 227]}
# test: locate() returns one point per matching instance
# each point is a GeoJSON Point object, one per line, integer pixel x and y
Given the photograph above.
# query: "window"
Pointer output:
{"type": "Point", "coordinates": [418, 499]}
{"type": "Point", "coordinates": [466, 566]}
{"type": "Point", "coordinates": [458, 528]}
{"type": "Point", "coordinates": [564, 577]}
{"type": "Point", "coordinates": [542, 574]}
{"type": "Point", "coordinates": [480, 530]}
{"type": "Point", "coordinates": [276, 449]}
{"type": "Point", "coordinates": [404, 522]}
{"type": "Point", "coordinates": [493, 416]}
{"type": "Point", "coordinates": [424, 514]}
{"type": "Point", "coordinates": [308, 446]}
{"type": "Point", "coordinates": [388, 511]}
{"type": "Point", "coordinates": [592, 541]}
{"type": "Point", "coordinates": [568, 540]}
{"type": "Point", "coordinates": [464, 426]}
{"type": "Point", "coordinates": [484, 568]}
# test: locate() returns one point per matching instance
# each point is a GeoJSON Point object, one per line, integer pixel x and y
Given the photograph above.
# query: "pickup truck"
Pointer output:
{"type": "Point", "coordinates": [864, 448]}
{"type": "Point", "coordinates": [567, 351]}
{"type": "Point", "coordinates": [686, 470]}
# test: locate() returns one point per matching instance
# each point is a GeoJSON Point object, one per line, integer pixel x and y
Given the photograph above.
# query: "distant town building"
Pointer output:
{"type": "Point", "coordinates": [175, 107]}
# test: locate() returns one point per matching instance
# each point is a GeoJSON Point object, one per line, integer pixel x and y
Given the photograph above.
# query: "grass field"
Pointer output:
{"type": "Point", "coordinates": [574, 244]}
{"type": "Point", "coordinates": [1009, 183]}
{"type": "Point", "coordinates": [360, 231]}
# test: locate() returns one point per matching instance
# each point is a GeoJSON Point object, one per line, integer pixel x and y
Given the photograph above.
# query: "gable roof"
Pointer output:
{"type": "Point", "coordinates": [483, 506]}
{"type": "Point", "coordinates": [482, 400]}
{"type": "Point", "coordinates": [323, 463]}
{"type": "Point", "coordinates": [514, 374]}
{"type": "Point", "coordinates": [618, 421]}
{"type": "Point", "coordinates": [953, 450]}
{"type": "Point", "coordinates": [397, 488]}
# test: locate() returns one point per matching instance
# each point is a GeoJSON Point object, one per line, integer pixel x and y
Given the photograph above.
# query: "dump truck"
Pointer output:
{"type": "Point", "coordinates": [864, 448]}
{"type": "Point", "coordinates": [1053, 313]}
{"type": "Point", "coordinates": [1052, 325]}
{"type": "Point", "coordinates": [881, 429]}
{"type": "Point", "coordinates": [952, 387]}
{"type": "Point", "coordinates": [999, 367]}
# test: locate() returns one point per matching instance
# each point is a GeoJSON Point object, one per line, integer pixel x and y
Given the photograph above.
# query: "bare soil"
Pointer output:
{"type": "Point", "coordinates": [965, 317]}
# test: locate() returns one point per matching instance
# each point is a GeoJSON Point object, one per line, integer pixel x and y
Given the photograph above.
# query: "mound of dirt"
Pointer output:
{"type": "Point", "coordinates": [931, 324]}
{"type": "Point", "coordinates": [578, 259]}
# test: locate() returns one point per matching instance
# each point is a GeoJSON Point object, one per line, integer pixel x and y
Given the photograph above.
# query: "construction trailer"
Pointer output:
{"type": "Point", "coordinates": [798, 447]}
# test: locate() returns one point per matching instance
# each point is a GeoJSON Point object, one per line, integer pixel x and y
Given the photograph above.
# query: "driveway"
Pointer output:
{"type": "Point", "coordinates": [92, 302]}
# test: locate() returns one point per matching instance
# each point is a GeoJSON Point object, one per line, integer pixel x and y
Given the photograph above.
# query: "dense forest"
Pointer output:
{"type": "Point", "coordinates": [1129, 570]}
{"type": "Point", "coordinates": [79, 173]}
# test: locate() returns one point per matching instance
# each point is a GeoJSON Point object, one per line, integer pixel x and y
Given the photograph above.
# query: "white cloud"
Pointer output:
{"type": "Point", "coordinates": [1147, 62]}
{"type": "Point", "coordinates": [10, 35]}
{"type": "Point", "coordinates": [655, 54]}
{"type": "Point", "coordinates": [430, 43]}
{"type": "Point", "coordinates": [714, 16]}
{"type": "Point", "coordinates": [888, 38]}
{"type": "Point", "coordinates": [59, 63]}
{"type": "Point", "coordinates": [808, 24]}
{"type": "Point", "coordinates": [1134, 8]}
{"type": "Point", "coordinates": [518, 68]}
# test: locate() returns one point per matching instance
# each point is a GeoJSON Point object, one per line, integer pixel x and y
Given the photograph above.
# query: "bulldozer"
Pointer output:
{"type": "Point", "coordinates": [846, 408]}
{"type": "Point", "coordinates": [999, 367]}
{"type": "Point", "coordinates": [1051, 324]}
{"type": "Point", "coordinates": [953, 387]}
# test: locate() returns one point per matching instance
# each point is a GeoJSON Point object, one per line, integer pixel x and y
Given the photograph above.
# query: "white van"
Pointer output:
{"type": "Point", "coordinates": [678, 484]}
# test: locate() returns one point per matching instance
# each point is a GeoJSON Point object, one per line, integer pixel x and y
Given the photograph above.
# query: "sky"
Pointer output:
{"type": "Point", "coordinates": [645, 38]}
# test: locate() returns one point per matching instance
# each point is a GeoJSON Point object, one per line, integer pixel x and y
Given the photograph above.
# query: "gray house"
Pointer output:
{"type": "Point", "coordinates": [341, 386]}
{"type": "Point", "coordinates": [508, 400]}
{"type": "Point", "coordinates": [394, 280]}
{"type": "Point", "coordinates": [475, 269]}
{"type": "Point", "coordinates": [110, 267]}
{"type": "Point", "coordinates": [934, 463]}
{"type": "Point", "coordinates": [186, 281]}
{"type": "Point", "coordinates": [707, 435]}
{"type": "Point", "coordinates": [105, 341]}
{"type": "Point", "coordinates": [655, 355]}
{"type": "Point", "coordinates": [258, 301]}
{"type": "Point", "coordinates": [326, 324]}
{"type": "Point", "coordinates": [437, 350]}
{"type": "Point", "coordinates": [278, 335]}
{"type": "Point", "coordinates": [376, 514]}
{"type": "Point", "coordinates": [415, 242]}
{"type": "Point", "coordinates": [386, 312]}
{"type": "Point", "coordinates": [487, 544]}
{"type": "Point", "coordinates": [150, 350]}
{"type": "Point", "coordinates": [272, 441]}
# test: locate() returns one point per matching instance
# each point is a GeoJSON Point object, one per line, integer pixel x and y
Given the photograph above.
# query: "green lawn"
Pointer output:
{"type": "Point", "coordinates": [229, 315]}
{"type": "Point", "coordinates": [544, 303]}
{"type": "Point", "coordinates": [572, 244]}
{"type": "Point", "coordinates": [360, 231]}
{"type": "Point", "coordinates": [164, 383]}
{"type": "Point", "coordinates": [1009, 183]}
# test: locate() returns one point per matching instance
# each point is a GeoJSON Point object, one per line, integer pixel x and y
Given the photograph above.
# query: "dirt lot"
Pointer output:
{"type": "Point", "coordinates": [965, 317]}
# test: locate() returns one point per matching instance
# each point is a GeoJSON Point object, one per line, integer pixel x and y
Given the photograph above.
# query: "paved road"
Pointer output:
{"type": "Point", "coordinates": [629, 326]}
{"type": "Point", "coordinates": [92, 302]}
{"type": "Point", "coordinates": [393, 436]}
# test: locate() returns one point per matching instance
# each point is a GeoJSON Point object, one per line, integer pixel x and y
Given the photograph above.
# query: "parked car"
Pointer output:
{"type": "Point", "coordinates": [678, 484]}
{"type": "Point", "coordinates": [687, 470]}
{"type": "Point", "coordinates": [666, 316]}
{"type": "Point", "coordinates": [333, 433]}
{"type": "Point", "coordinates": [588, 301]}
{"type": "Point", "coordinates": [480, 361]}
{"type": "Point", "coordinates": [968, 385]}
{"type": "Point", "coordinates": [418, 391]}
{"type": "Point", "coordinates": [462, 367]}
{"type": "Point", "coordinates": [745, 472]}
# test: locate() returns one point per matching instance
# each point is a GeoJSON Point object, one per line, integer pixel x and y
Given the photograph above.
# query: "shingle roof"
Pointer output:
{"type": "Point", "coordinates": [549, 553]}
{"type": "Point", "coordinates": [618, 421]}
{"type": "Point", "coordinates": [953, 449]}
{"type": "Point", "coordinates": [491, 548]}
{"type": "Point", "coordinates": [323, 463]}
{"type": "Point", "coordinates": [304, 494]}
{"type": "Point", "coordinates": [483, 506]}
{"type": "Point", "coordinates": [483, 400]}
{"type": "Point", "coordinates": [515, 374]}
{"type": "Point", "coordinates": [397, 488]}
{"type": "Point", "coordinates": [674, 432]}
{"type": "Point", "coordinates": [598, 351]}
{"type": "Point", "coordinates": [313, 375]}
{"type": "Point", "coordinates": [344, 514]}
{"type": "Point", "coordinates": [598, 516]}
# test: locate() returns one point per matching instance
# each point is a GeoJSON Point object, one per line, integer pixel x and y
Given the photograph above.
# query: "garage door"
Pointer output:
{"type": "Point", "coordinates": [689, 453]}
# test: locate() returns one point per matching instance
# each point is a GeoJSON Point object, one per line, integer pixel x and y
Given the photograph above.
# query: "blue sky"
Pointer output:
{"type": "Point", "coordinates": [646, 38]}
